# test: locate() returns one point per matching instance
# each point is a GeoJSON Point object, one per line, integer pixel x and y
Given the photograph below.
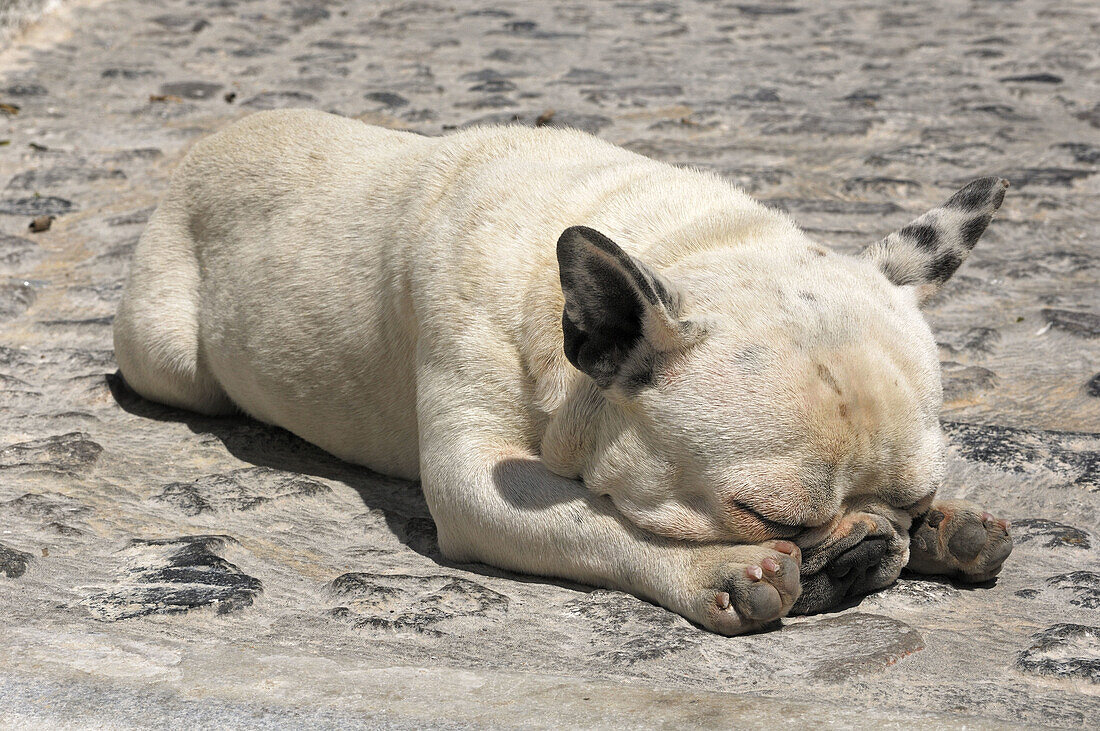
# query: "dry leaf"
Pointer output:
{"type": "Point", "coordinates": [41, 223]}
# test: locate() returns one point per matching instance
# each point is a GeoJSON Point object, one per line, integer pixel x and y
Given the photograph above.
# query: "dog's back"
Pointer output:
{"type": "Point", "coordinates": [298, 255]}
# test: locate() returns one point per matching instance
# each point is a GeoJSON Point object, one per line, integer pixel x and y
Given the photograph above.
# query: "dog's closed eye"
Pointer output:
{"type": "Point", "coordinates": [758, 527]}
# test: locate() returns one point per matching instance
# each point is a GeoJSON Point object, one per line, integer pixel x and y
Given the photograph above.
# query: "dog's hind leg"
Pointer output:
{"type": "Point", "coordinates": [156, 330]}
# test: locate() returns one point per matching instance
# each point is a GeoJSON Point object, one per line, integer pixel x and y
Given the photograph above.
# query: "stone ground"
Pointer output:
{"type": "Point", "coordinates": [157, 567]}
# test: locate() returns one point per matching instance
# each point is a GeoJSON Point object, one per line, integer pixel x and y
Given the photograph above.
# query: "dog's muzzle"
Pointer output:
{"type": "Point", "coordinates": [868, 557]}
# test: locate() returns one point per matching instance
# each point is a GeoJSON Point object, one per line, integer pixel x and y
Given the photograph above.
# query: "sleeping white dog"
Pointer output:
{"type": "Point", "coordinates": [600, 367]}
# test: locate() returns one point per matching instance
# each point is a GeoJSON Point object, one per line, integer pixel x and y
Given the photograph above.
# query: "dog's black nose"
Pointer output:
{"type": "Point", "coordinates": [847, 575]}
{"type": "Point", "coordinates": [858, 561]}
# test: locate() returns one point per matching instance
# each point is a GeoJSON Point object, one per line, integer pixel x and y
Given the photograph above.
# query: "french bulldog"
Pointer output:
{"type": "Point", "coordinates": [600, 367]}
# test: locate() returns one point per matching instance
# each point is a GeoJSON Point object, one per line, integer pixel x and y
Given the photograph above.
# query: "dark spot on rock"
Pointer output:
{"type": "Point", "coordinates": [330, 58]}
{"type": "Point", "coordinates": [13, 563]}
{"type": "Point", "coordinates": [131, 219]}
{"type": "Point", "coordinates": [126, 73]}
{"type": "Point", "coordinates": [1063, 651]}
{"type": "Point", "coordinates": [179, 22]}
{"type": "Point", "coordinates": [1063, 455]}
{"type": "Point", "coordinates": [421, 604]}
{"type": "Point", "coordinates": [484, 75]}
{"type": "Point", "coordinates": [42, 178]}
{"type": "Point", "coordinates": [961, 381]}
{"type": "Point", "coordinates": [493, 86]}
{"type": "Point", "coordinates": [104, 321]}
{"type": "Point", "coordinates": [72, 453]}
{"type": "Point", "coordinates": [521, 27]}
{"type": "Point", "coordinates": [279, 99]}
{"type": "Point", "coordinates": [762, 10]}
{"type": "Point", "coordinates": [176, 575]}
{"type": "Point", "coordinates": [24, 90]}
{"type": "Point", "coordinates": [529, 29]}
{"type": "Point", "coordinates": [985, 53]}
{"type": "Point", "coordinates": [751, 99]}
{"type": "Point", "coordinates": [1092, 387]}
{"type": "Point", "coordinates": [50, 506]}
{"type": "Point", "coordinates": [1033, 79]}
{"type": "Point", "coordinates": [191, 89]}
{"type": "Point", "coordinates": [63, 529]}
{"type": "Point", "coordinates": [1081, 324]}
{"type": "Point", "coordinates": [1081, 151]}
{"type": "Point", "coordinates": [1059, 177]}
{"type": "Point", "coordinates": [137, 153]}
{"type": "Point", "coordinates": [309, 14]}
{"type": "Point", "coordinates": [488, 13]}
{"type": "Point", "coordinates": [816, 124]}
{"type": "Point", "coordinates": [1092, 116]}
{"type": "Point", "coordinates": [883, 186]}
{"type": "Point", "coordinates": [1001, 111]}
{"type": "Point", "coordinates": [974, 339]}
{"type": "Point", "coordinates": [863, 97]}
{"type": "Point", "coordinates": [917, 154]}
{"type": "Point", "coordinates": [581, 76]}
{"type": "Point", "coordinates": [337, 45]}
{"type": "Point", "coordinates": [387, 98]}
{"type": "Point", "coordinates": [640, 631]}
{"type": "Point", "coordinates": [244, 489]}
{"type": "Point", "coordinates": [623, 93]}
{"type": "Point", "coordinates": [35, 206]}
{"type": "Point", "coordinates": [503, 54]}
{"type": "Point", "coordinates": [1083, 586]}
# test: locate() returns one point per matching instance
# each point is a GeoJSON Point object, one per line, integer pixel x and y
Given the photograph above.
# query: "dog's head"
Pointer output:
{"type": "Point", "coordinates": [767, 389]}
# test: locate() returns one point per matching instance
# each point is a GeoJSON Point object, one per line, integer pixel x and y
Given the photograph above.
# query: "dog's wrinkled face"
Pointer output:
{"type": "Point", "coordinates": [765, 392]}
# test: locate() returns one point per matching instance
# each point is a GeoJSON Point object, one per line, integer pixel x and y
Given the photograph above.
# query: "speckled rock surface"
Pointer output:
{"type": "Point", "coordinates": [159, 567]}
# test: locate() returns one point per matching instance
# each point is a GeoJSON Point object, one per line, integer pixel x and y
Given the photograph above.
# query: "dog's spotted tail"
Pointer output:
{"type": "Point", "coordinates": [925, 253]}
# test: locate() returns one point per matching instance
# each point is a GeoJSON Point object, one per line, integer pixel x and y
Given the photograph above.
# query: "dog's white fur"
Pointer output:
{"type": "Point", "coordinates": [395, 299]}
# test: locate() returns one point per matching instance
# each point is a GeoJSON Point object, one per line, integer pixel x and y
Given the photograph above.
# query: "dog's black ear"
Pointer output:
{"type": "Point", "coordinates": [618, 313]}
{"type": "Point", "coordinates": [925, 253]}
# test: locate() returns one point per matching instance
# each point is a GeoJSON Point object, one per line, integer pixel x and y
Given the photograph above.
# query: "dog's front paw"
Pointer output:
{"type": "Point", "coordinates": [957, 538]}
{"type": "Point", "coordinates": [749, 586]}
